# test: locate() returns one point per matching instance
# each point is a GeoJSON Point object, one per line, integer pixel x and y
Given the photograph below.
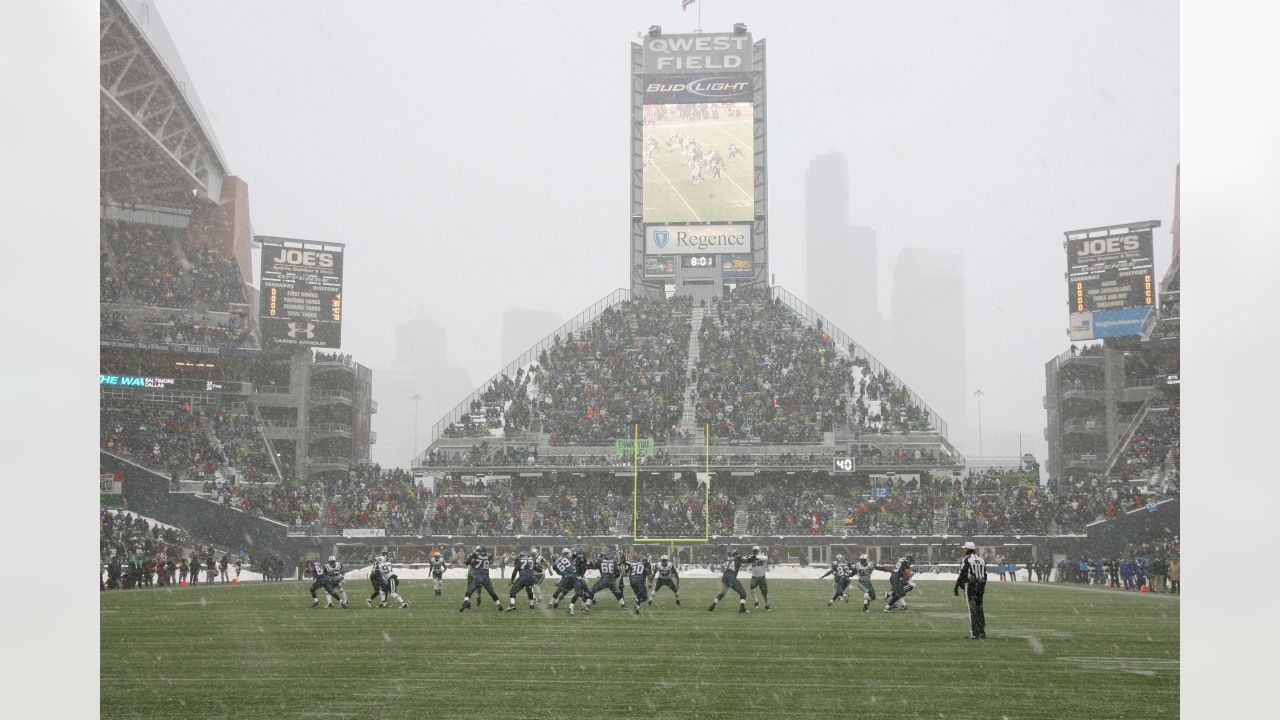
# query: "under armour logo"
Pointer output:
{"type": "Point", "coordinates": [307, 331]}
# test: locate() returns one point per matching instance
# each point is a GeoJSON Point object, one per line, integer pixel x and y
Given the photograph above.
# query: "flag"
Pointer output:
{"type": "Point", "coordinates": [684, 4]}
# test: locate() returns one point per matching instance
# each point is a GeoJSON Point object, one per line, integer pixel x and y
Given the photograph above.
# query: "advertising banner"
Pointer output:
{"type": "Point", "coordinates": [697, 88]}
{"type": "Point", "coordinates": [699, 162]}
{"type": "Point", "coordinates": [737, 266]}
{"type": "Point", "coordinates": [364, 532]}
{"type": "Point", "coordinates": [697, 239]}
{"type": "Point", "coordinates": [1108, 323]}
{"type": "Point", "coordinates": [111, 483]}
{"type": "Point", "coordinates": [659, 266]}
{"type": "Point", "coordinates": [718, 52]}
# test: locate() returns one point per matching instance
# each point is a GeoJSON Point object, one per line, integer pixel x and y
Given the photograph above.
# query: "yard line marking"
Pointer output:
{"type": "Point", "coordinates": [677, 192]}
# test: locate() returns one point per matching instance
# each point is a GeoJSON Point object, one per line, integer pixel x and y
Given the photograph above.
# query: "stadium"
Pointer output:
{"type": "Point", "coordinates": [702, 414]}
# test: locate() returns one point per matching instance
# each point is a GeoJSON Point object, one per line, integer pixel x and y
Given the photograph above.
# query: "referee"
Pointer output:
{"type": "Point", "coordinates": [973, 576]}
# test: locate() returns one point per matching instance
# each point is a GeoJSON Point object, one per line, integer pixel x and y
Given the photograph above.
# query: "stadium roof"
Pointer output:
{"type": "Point", "coordinates": [157, 142]}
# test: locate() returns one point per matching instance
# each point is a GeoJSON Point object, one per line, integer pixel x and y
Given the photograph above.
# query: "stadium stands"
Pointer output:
{"type": "Point", "coordinates": [190, 442]}
{"type": "Point", "coordinates": [152, 266]}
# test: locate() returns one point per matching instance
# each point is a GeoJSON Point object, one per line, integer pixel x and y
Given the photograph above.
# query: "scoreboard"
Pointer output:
{"type": "Point", "coordinates": [1111, 273]}
{"type": "Point", "coordinates": [300, 294]}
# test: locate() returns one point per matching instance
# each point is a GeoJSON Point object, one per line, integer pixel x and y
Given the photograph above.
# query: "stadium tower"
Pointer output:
{"type": "Point", "coordinates": [699, 382]}
{"type": "Point", "coordinates": [202, 390]}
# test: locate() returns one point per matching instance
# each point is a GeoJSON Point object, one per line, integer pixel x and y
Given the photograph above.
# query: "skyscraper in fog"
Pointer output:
{"type": "Point", "coordinates": [928, 331]}
{"type": "Point", "coordinates": [421, 368]}
{"type": "Point", "coordinates": [840, 258]}
{"type": "Point", "coordinates": [522, 328]}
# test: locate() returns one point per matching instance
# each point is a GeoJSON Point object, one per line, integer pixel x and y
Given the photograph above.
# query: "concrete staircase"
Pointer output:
{"type": "Point", "coordinates": [741, 521]}
{"type": "Point", "coordinates": [688, 419]}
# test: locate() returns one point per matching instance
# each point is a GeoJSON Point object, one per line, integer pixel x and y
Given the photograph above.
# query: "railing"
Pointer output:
{"type": "Point", "coordinates": [262, 433]}
{"type": "Point", "coordinates": [331, 395]}
{"type": "Point", "coordinates": [341, 360]}
{"type": "Point", "coordinates": [1127, 435]}
{"type": "Point", "coordinates": [802, 309]}
{"type": "Point", "coordinates": [328, 461]}
{"type": "Point", "coordinates": [331, 428]}
{"type": "Point", "coordinates": [581, 320]}
{"type": "Point", "coordinates": [273, 390]}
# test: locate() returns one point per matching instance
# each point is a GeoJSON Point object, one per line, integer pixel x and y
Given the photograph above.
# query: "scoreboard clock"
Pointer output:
{"type": "Point", "coordinates": [697, 261]}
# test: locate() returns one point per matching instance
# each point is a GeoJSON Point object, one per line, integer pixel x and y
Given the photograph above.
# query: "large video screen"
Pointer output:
{"type": "Point", "coordinates": [698, 162]}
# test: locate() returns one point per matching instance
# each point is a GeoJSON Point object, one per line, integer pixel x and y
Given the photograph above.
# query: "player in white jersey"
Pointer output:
{"type": "Point", "coordinates": [334, 575]}
{"type": "Point", "coordinates": [539, 574]}
{"type": "Point", "coordinates": [666, 574]}
{"type": "Point", "coordinates": [390, 582]}
{"type": "Point", "coordinates": [759, 567]}
{"type": "Point", "coordinates": [438, 566]}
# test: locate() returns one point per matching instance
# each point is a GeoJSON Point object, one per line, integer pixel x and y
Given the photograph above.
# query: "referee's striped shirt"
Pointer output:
{"type": "Point", "coordinates": [973, 570]}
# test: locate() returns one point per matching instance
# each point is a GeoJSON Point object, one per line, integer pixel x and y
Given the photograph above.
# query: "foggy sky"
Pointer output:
{"type": "Point", "coordinates": [474, 156]}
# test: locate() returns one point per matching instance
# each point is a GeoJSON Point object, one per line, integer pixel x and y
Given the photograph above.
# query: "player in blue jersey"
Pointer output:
{"type": "Point", "coordinates": [607, 564]}
{"type": "Point", "coordinates": [900, 582]}
{"type": "Point", "coordinates": [729, 580]}
{"type": "Point", "coordinates": [843, 574]}
{"type": "Point", "coordinates": [638, 572]}
{"type": "Point", "coordinates": [322, 582]}
{"type": "Point", "coordinates": [522, 577]}
{"type": "Point", "coordinates": [566, 566]}
{"type": "Point", "coordinates": [480, 560]}
{"type": "Point", "coordinates": [329, 577]}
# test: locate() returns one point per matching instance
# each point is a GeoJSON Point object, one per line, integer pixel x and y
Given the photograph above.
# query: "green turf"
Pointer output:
{"type": "Point", "coordinates": [259, 651]}
{"type": "Point", "coordinates": [669, 192]}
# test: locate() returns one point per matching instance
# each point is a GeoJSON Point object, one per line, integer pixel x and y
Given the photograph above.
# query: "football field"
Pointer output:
{"type": "Point", "coordinates": [670, 192]}
{"type": "Point", "coordinates": [259, 651]}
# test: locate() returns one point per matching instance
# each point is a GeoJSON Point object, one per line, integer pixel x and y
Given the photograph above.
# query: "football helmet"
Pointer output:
{"type": "Point", "coordinates": [565, 551]}
{"type": "Point", "coordinates": [533, 551]}
{"type": "Point", "coordinates": [911, 557]}
{"type": "Point", "coordinates": [664, 558]}
{"type": "Point", "coordinates": [840, 558]}
{"type": "Point", "coordinates": [333, 558]}
{"type": "Point", "coordinates": [863, 556]}
{"type": "Point", "coordinates": [481, 549]}
{"type": "Point", "coordinates": [755, 549]}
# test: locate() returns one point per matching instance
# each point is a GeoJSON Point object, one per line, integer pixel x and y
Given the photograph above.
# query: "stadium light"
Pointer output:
{"type": "Point", "coordinates": [655, 30]}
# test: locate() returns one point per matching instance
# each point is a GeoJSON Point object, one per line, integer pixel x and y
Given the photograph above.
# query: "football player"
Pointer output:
{"type": "Point", "coordinates": [667, 576]}
{"type": "Point", "coordinates": [900, 581]}
{"type": "Point", "coordinates": [480, 560]}
{"type": "Point", "coordinates": [375, 578]}
{"type": "Point", "coordinates": [566, 567]}
{"type": "Point", "coordinates": [540, 566]}
{"type": "Point", "coordinates": [607, 564]}
{"type": "Point", "coordinates": [438, 566]}
{"type": "Point", "coordinates": [322, 583]}
{"type": "Point", "coordinates": [840, 569]}
{"type": "Point", "coordinates": [863, 569]}
{"type": "Point", "coordinates": [390, 582]}
{"type": "Point", "coordinates": [759, 566]}
{"type": "Point", "coordinates": [729, 579]}
{"type": "Point", "coordinates": [522, 577]}
{"type": "Point", "coordinates": [639, 571]}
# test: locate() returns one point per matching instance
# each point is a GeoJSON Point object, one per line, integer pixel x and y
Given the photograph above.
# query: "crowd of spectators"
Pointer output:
{"type": "Point", "coordinates": [593, 386]}
{"type": "Point", "coordinates": [675, 504]}
{"type": "Point", "coordinates": [185, 441]}
{"type": "Point", "coordinates": [156, 266]}
{"type": "Point", "coordinates": [1155, 447]}
{"type": "Point", "coordinates": [1146, 567]}
{"type": "Point", "coordinates": [183, 327]}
